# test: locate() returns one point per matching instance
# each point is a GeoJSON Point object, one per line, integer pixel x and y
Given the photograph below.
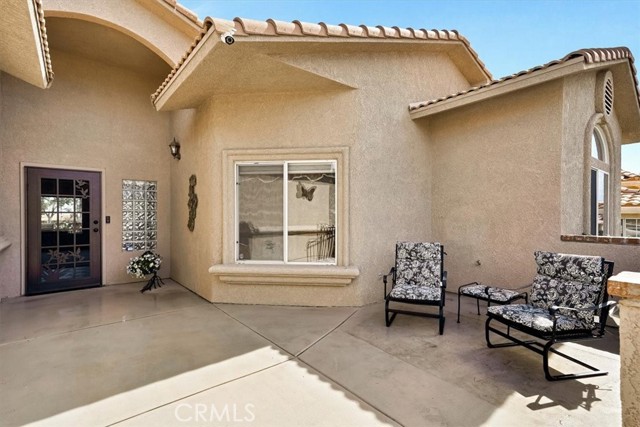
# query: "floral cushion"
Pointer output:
{"type": "Point", "coordinates": [578, 268]}
{"type": "Point", "coordinates": [416, 292]}
{"type": "Point", "coordinates": [418, 264]}
{"type": "Point", "coordinates": [489, 292]}
{"type": "Point", "coordinates": [537, 318]}
{"type": "Point", "coordinates": [568, 281]}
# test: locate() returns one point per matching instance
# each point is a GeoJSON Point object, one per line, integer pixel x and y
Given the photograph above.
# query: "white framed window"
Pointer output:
{"type": "Point", "coordinates": [599, 197]}
{"type": "Point", "coordinates": [631, 227]}
{"type": "Point", "coordinates": [286, 212]}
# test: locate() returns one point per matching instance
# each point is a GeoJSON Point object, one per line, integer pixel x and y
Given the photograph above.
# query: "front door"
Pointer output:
{"type": "Point", "coordinates": [63, 230]}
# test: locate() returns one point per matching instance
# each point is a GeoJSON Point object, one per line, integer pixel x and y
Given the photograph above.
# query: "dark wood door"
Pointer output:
{"type": "Point", "coordinates": [63, 230]}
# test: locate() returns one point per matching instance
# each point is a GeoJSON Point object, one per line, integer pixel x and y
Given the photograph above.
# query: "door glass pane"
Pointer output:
{"type": "Point", "coordinates": [60, 263]}
{"type": "Point", "coordinates": [82, 238]}
{"type": "Point", "coordinates": [49, 238]}
{"type": "Point", "coordinates": [82, 270]}
{"type": "Point", "coordinates": [66, 238]}
{"type": "Point", "coordinates": [61, 222]}
{"type": "Point", "coordinates": [260, 212]}
{"type": "Point", "coordinates": [49, 186]}
{"type": "Point", "coordinates": [66, 187]}
{"type": "Point", "coordinates": [311, 212]}
{"type": "Point", "coordinates": [49, 213]}
{"type": "Point", "coordinates": [82, 188]}
{"type": "Point", "coordinates": [63, 234]}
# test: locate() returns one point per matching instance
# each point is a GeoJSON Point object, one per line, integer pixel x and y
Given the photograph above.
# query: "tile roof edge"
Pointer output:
{"type": "Point", "coordinates": [244, 27]}
{"type": "Point", "coordinates": [589, 56]}
{"type": "Point", "coordinates": [207, 24]}
{"type": "Point", "coordinates": [183, 11]}
{"type": "Point", "coordinates": [42, 31]}
{"type": "Point", "coordinates": [625, 174]}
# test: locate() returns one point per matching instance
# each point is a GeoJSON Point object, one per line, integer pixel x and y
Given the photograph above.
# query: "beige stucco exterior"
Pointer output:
{"type": "Point", "coordinates": [23, 43]}
{"type": "Point", "coordinates": [509, 181]}
{"type": "Point", "coordinates": [494, 170]}
{"type": "Point", "coordinates": [148, 22]}
{"type": "Point", "coordinates": [493, 179]}
{"type": "Point", "coordinates": [98, 117]}
{"type": "Point", "coordinates": [389, 168]}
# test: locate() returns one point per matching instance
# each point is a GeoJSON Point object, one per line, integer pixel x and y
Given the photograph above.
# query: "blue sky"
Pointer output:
{"type": "Point", "coordinates": [509, 36]}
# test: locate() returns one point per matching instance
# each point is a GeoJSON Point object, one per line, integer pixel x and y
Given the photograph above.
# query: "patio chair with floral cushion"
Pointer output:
{"type": "Point", "coordinates": [568, 302]}
{"type": "Point", "coordinates": [418, 277]}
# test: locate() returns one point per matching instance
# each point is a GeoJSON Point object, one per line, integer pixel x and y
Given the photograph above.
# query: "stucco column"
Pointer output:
{"type": "Point", "coordinates": [626, 285]}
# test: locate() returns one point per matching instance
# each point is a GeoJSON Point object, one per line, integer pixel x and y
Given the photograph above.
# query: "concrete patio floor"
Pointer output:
{"type": "Point", "coordinates": [113, 356]}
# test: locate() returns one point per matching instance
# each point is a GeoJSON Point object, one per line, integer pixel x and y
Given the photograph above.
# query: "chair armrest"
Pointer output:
{"type": "Point", "coordinates": [391, 273]}
{"type": "Point", "coordinates": [554, 308]}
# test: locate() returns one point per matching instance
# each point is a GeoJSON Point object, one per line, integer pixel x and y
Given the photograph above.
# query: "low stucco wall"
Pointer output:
{"type": "Point", "coordinates": [630, 359]}
{"type": "Point", "coordinates": [95, 116]}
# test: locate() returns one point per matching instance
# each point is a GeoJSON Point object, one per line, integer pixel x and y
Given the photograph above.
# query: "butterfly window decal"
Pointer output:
{"type": "Point", "coordinates": [303, 192]}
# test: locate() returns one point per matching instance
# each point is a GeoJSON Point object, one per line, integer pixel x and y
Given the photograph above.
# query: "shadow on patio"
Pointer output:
{"type": "Point", "coordinates": [113, 356]}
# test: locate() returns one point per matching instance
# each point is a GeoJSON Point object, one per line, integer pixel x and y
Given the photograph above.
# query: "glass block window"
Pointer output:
{"type": "Point", "coordinates": [139, 215]}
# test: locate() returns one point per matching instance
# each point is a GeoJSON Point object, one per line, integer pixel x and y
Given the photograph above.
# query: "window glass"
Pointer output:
{"type": "Point", "coordinates": [599, 202]}
{"type": "Point", "coordinates": [260, 213]}
{"type": "Point", "coordinates": [599, 197]}
{"type": "Point", "coordinates": [290, 220]}
{"type": "Point", "coordinates": [595, 148]}
{"type": "Point", "coordinates": [311, 197]}
{"type": "Point", "coordinates": [598, 148]}
{"type": "Point", "coordinates": [631, 227]}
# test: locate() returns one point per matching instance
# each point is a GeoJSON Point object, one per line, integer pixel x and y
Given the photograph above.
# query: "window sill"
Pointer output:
{"type": "Point", "coordinates": [613, 240]}
{"type": "Point", "coordinates": [305, 275]}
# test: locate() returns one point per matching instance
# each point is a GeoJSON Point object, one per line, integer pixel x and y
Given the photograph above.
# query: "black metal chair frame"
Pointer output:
{"type": "Point", "coordinates": [544, 342]}
{"type": "Point", "coordinates": [487, 298]}
{"type": "Point", "coordinates": [394, 311]}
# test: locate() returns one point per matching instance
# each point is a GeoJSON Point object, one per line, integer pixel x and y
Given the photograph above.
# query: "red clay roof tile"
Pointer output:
{"type": "Point", "coordinates": [177, 7]}
{"type": "Point", "coordinates": [271, 27]}
{"type": "Point", "coordinates": [590, 56]}
{"type": "Point", "coordinates": [45, 42]}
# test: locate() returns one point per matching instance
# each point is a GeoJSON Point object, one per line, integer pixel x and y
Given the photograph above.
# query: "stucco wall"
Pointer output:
{"type": "Point", "coordinates": [390, 166]}
{"type": "Point", "coordinates": [508, 180]}
{"type": "Point", "coordinates": [94, 116]}
{"type": "Point", "coordinates": [496, 195]}
{"type": "Point", "coordinates": [2, 186]}
{"type": "Point", "coordinates": [579, 116]}
{"type": "Point", "coordinates": [166, 33]}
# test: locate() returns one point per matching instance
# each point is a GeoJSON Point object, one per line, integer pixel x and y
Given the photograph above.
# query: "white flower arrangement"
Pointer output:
{"type": "Point", "coordinates": [147, 263]}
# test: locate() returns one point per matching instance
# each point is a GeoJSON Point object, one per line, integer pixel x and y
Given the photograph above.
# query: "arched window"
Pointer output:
{"type": "Point", "coordinates": [599, 203]}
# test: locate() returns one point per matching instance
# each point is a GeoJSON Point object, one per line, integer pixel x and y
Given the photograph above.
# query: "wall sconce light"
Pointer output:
{"type": "Point", "coordinates": [175, 149]}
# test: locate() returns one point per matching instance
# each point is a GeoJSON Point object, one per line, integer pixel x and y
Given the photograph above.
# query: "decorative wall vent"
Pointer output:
{"type": "Point", "coordinates": [608, 96]}
{"type": "Point", "coordinates": [604, 93]}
